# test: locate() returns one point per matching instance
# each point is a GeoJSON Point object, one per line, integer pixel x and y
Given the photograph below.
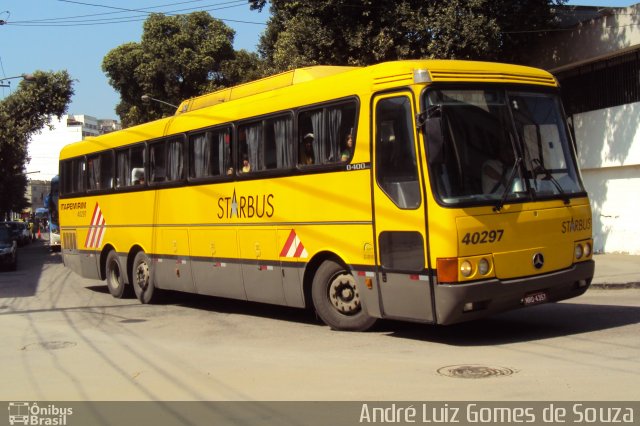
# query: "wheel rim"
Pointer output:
{"type": "Point", "coordinates": [343, 294]}
{"type": "Point", "coordinates": [142, 275]}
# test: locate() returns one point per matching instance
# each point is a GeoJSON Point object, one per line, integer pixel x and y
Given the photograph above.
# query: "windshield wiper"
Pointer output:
{"type": "Point", "coordinates": [507, 188]}
{"type": "Point", "coordinates": [540, 169]}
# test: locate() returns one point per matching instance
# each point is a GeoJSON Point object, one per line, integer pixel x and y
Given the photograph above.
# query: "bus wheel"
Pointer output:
{"type": "Point", "coordinates": [115, 279]}
{"type": "Point", "coordinates": [336, 299]}
{"type": "Point", "coordinates": [142, 283]}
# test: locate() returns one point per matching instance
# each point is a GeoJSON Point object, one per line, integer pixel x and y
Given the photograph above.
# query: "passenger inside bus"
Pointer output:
{"type": "Point", "coordinates": [246, 167]}
{"type": "Point", "coordinates": [347, 152]}
{"type": "Point", "coordinates": [137, 176]}
{"type": "Point", "coordinates": [306, 153]}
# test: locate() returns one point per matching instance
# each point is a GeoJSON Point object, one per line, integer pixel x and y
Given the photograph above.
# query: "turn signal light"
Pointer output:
{"type": "Point", "coordinates": [447, 269]}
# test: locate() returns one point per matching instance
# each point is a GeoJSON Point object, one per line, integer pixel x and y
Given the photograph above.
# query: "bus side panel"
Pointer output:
{"type": "Point", "coordinates": [292, 277]}
{"type": "Point", "coordinates": [173, 266]}
{"type": "Point", "coordinates": [404, 295]}
{"type": "Point", "coordinates": [216, 271]}
{"type": "Point", "coordinates": [262, 280]}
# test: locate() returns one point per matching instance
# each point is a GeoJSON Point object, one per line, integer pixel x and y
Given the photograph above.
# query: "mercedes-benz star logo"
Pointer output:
{"type": "Point", "coordinates": [538, 260]}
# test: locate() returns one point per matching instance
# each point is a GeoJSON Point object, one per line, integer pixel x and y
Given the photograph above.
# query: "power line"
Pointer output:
{"type": "Point", "coordinates": [101, 14]}
{"type": "Point", "coordinates": [142, 14]}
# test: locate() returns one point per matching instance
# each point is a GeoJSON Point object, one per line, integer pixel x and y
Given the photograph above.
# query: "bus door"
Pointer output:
{"type": "Point", "coordinates": [399, 217]}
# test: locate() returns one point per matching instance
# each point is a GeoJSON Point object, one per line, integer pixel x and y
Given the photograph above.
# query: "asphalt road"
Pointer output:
{"type": "Point", "coordinates": [66, 338]}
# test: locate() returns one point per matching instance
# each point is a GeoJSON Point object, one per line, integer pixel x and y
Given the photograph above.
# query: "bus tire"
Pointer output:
{"type": "Point", "coordinates": [336, 299]}
{"type": "Point", "coordinates": [141, 278]}
{"type": "Point", "coordinates": [113, 272]}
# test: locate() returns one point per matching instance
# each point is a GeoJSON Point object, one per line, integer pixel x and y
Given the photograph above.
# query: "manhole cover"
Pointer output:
{"type": "Point", "coordinates": [49, 346]}
{"type": "Point", "coordinates": [474, 371]}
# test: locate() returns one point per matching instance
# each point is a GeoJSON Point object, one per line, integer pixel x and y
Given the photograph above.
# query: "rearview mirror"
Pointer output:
{"type": "Point", "coordinates": [434, 140]}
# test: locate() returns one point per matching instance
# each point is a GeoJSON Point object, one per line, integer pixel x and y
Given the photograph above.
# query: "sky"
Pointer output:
{"type": "Point", "coordinates": [52, 35]}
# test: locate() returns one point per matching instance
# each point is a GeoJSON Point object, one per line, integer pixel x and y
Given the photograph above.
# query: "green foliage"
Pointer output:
{"type": "Point", "coordinates": [178, 57]}
{"type": "Point", "coordinates": [363, 32]}
{"type": "Point", "coordinates": [22, 114]}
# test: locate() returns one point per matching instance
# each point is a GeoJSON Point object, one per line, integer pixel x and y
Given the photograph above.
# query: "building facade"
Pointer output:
{"type": "Point", "coordinates": [44, 150]}
{"type": "Point", "coordinates": [596, 59]}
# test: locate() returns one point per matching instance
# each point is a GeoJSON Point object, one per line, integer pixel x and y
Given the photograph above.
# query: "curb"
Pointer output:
{"type": "Point", "coordinates": [615, 286]}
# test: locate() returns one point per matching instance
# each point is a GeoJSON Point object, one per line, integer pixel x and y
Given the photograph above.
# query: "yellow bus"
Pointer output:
{"type": "Point", "coordinates": [433, 191]}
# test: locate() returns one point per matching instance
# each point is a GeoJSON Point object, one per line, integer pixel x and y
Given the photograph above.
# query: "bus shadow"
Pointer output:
{"type": "Point", "coordinates": [241, 307]}
{"type": "Point", "coordinates": [225, 306]}
{"type": "Point", "coordinates": [535, 323]}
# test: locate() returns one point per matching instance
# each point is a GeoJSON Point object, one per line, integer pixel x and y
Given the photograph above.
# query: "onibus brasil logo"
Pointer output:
{"type": "Point", "coordinates": [30, 413]}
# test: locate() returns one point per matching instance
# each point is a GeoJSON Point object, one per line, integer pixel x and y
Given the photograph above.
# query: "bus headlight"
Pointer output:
{"type": "Point", "coordinates": [466, 269]}
{"type": "Point", "coordinates": [579, 251]}
{"type": "Point", "coordinates": [483, 266]}
{"type": "Point", "coordinates": [587, 249]}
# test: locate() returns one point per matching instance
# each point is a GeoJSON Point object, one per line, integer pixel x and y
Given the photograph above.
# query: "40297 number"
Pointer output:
{"type": "Point", "coordinates": [484, 237]}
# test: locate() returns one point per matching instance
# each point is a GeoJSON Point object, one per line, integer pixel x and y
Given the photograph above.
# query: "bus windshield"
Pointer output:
{"type": "Point", "coordinates": [490, 146]}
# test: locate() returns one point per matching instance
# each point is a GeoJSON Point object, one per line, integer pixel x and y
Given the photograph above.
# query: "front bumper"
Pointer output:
{"type": "Point", "coordinates": [495, 296]}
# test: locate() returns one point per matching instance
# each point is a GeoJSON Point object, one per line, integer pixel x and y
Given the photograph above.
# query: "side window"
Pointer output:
{"type": "Point", "coordinates": [175, 160]}
{"type": "Point", "coordinates": [130, 167]}
{"type": "Point", "coordinates": [157, 162]}
{"type": "Point", "coordinates": [100, 171]}
{"type": "Point", "coordinates": [250, 148]}
{"type": "Point", "coordinates": [265, 145]}
{"type": "Point", "coordinates": [66, 177]}
{"type": "Point", "coordinates": [327, 135]}
{"type": "Point", "coordinates": [396, 166]}
{"type": "Point", "coordinates": [79, 175]}
{"type": "Point", "coordinates": [279, 142]}
{"type": "Point", "coordinates": [210, 154]}
{"type": "Point", "coordinates": [73, 175]}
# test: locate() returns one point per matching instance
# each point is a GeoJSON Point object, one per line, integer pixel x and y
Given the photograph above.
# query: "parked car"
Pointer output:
{"type": "Point", "coordinates": [8, 248]}
{"type": "Point", "coordinates": [20, 232]}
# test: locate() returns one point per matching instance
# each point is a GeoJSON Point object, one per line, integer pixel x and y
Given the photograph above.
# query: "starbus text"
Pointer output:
{"type": "Point", "coordinates": [246, 206]}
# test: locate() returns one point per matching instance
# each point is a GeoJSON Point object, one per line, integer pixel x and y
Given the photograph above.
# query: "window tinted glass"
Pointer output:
{"type": "Point", "coordinates": [396, 167]}
{"type": "Point", "coordinates": [210, 154]}
{"type": "Point", "coordinates": [100, 171]}
{"type": "Point", "coordinates": [326, 135]}
{"type": "Point", "coordinates": [130, 167]}
{"type": "Point", "coordinates": [265, 145]}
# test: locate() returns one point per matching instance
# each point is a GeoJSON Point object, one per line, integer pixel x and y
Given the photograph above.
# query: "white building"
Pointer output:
{"type": "Point", "coordinates": [596, 59]}
{"type": "Point", "coordinates": [44, 148]}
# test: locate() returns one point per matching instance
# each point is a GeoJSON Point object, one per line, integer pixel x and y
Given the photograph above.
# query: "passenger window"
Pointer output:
{"type": "Point", "coordinates": [79, 176]}
{"type": "Point", "coordinates": [100, 171]}
{"type": "Point", "coordinates": [327, 135]}
{"type": "Point", "coordinates": [130, 167]}
{"type": "Point", "coordinates": [157, 164]}
{"type": "Point", "coordinates": [279, 143]}
{"type": "Point", "coordinates": [210, 154]}
{"type": "Point", "coordinates": [250, 148]}
{"type": "Point", "coordinates": [265, 145]}
{"type": "Point", "coordinates": [66, 177]}
{"type": "Point", "coordinates": [73, 176]}
{"type": "Point", "coordinates": [175, 160]}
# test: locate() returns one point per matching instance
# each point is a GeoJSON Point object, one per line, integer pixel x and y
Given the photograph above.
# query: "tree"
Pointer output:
{"type": "Point", "coordinates": [22, 114]}
{"type": "Point", "coordinates": [363, 32]}
{"type": "Point", "coordinates": [178, 57]}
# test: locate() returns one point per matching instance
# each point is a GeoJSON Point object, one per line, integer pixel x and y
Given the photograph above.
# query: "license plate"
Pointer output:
{"type": "Point", "coordinates": [535, 298]}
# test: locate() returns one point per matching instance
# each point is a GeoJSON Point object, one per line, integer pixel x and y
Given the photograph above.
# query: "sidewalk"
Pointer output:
{"type": "Point", "coordinates": [616, 271]}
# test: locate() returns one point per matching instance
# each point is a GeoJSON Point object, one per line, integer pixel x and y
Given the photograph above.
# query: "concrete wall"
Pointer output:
{"type": "Point", "coordinates": [604, 37]}
{"type": "Point", "coordinates": [608, 140]}
{"type": "Point", "coordinates": [608, 143]}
